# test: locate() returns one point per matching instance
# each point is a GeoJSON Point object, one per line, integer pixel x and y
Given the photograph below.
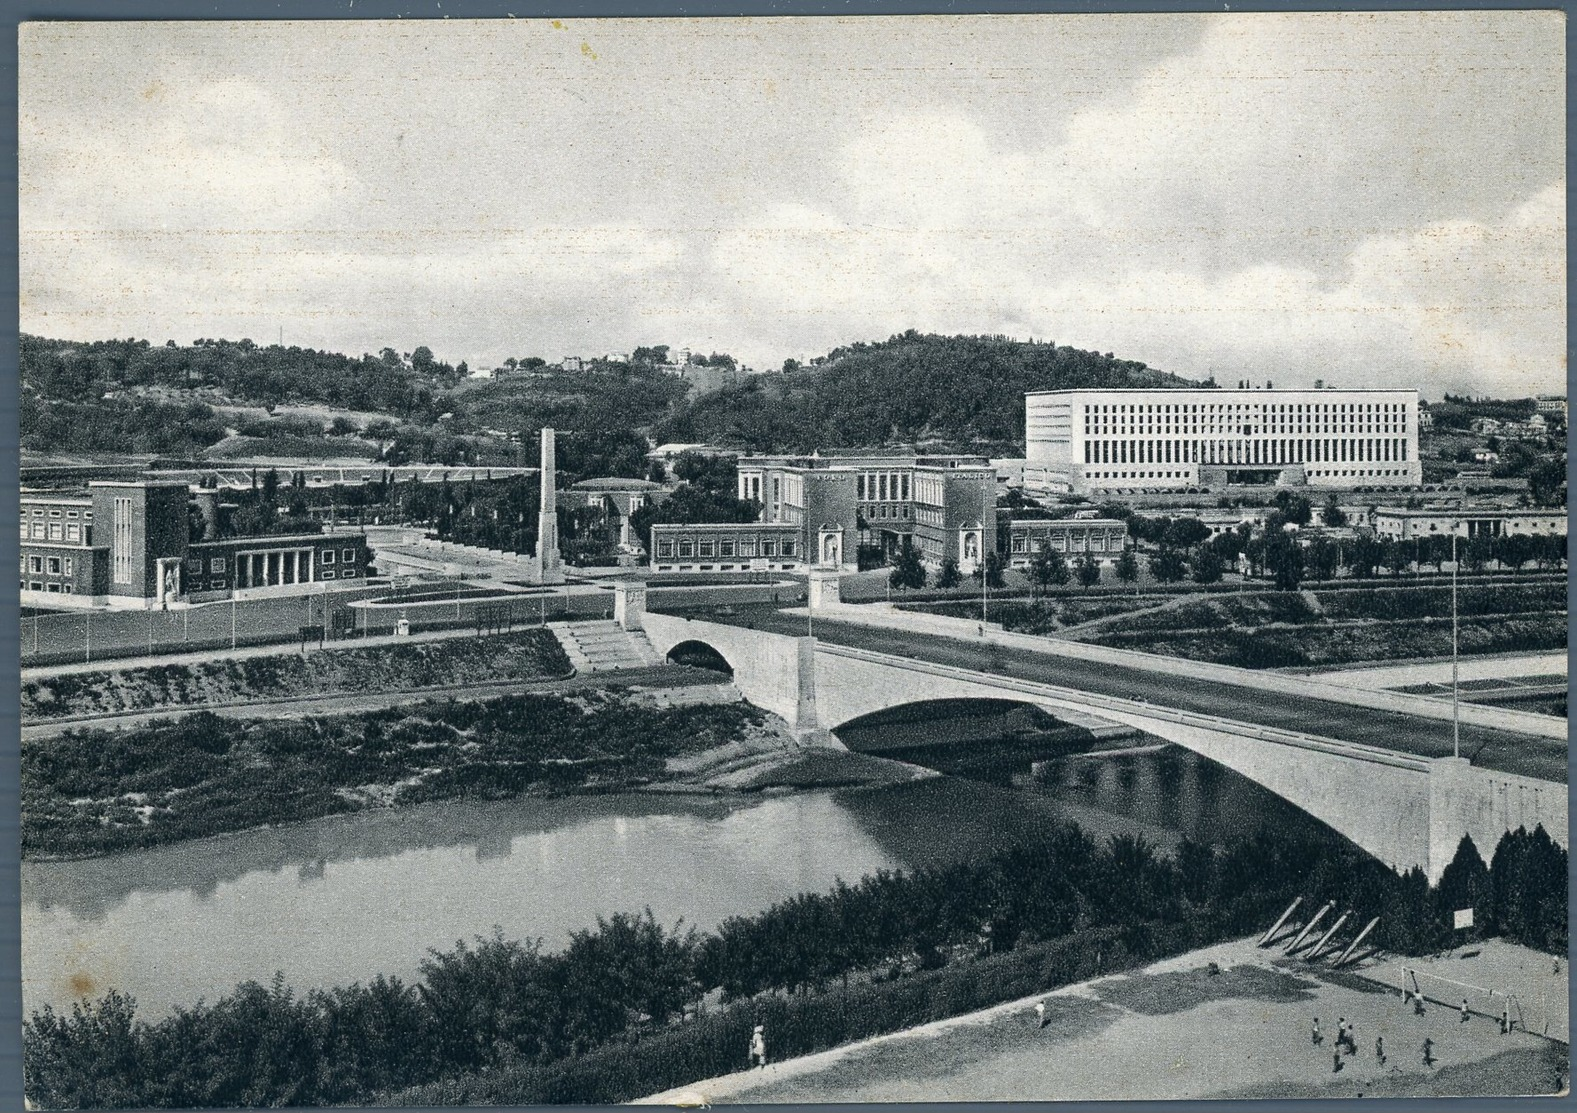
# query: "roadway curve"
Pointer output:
{"type": "Point", "coordinates": [1503, 751]}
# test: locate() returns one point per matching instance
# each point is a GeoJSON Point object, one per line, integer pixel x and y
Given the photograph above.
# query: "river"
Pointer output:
{"type": "Point", "coordinates": [349, 897]}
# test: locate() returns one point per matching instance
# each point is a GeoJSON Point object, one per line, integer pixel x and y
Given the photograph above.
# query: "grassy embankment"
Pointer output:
{"type": "Point", "coordinates": [93, 792]}
{"type": "Point", "coordinates": [1276, 629]}
{"type": "Point", "coordinates": [522, 655]}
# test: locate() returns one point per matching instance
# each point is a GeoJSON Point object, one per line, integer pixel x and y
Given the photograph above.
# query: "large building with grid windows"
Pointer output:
{"type": "Point", "coordinates": [1111, 441]}
{"type": "Point", "coordinates": [150, 544]}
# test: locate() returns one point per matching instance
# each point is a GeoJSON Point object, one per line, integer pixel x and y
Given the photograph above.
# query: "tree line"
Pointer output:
{"type": "Point", "coordinates": [498, 1005]}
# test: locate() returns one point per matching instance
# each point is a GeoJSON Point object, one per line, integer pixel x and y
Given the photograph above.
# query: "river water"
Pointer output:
{"type": "Point", "coordinates": [349, 897]}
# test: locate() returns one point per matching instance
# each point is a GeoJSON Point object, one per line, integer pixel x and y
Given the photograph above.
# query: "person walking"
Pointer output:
{"type": "Point", "coordinates": [1341, 1030]}
{"type": "Point", "coordinates": [758, 1047]}
{"type": "Point", "coordinates": [1464, 1011]}
{"type": "Point", "coordinates": [1379, 1049]}
{"type": "Point", "coordinates": [1336, 1060]}
{"type": "Point", "coordinates": [1505, 1019]}
{"type": "Point", "coordinates": [1429, 1052]}
{"type": "Point", "coordinates": [1318, 1039]}
{"type": "Point", "coordinates": [1040, 1014]}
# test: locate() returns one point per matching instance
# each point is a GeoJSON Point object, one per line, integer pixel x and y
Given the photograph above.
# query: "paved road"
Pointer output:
{"type": "Point", "coordinates": [1500, 750]}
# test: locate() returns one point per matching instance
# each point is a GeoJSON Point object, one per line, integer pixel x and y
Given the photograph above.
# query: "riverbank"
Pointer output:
{"type": "Point", "coordinates": [1161, 1032]}
{"type": "Point", "coordinates": [95, 792]}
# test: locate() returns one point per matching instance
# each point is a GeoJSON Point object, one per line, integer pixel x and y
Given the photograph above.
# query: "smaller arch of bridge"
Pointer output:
{"type": "Point", "coordinates": [700, 655]}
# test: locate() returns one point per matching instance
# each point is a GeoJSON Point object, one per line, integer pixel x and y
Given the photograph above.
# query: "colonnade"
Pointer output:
{"type": "Point", "coordinates": [1275, 450]}
{"type": "Point", "coordinates": [274, 567]}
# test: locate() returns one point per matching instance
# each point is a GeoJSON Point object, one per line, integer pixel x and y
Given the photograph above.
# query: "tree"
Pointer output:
{"type": "Point", "coordinates": [1284, 558]}
{"type": "Point", "coordinates": [1478, 552]}
{"type": "Point", "coordinates": [1294, 508]}
{"type": "Point", "coordinates": [994, 566]}
{"type": "Point", "coordinates": [1048, 567]}
{"type": "Point", "coordinates": [907, 571]}
{"type": "Point", "coordinates": [1322, 559]}
{"type": "Point", "coordinates": [948, 577]}
{"type": "Point", "coordinates": [1208, 566]}
{"type": "Point", "coordinates": [1088, 569]}
{"type": "Point", "coordinates": [1168, 565]}
{"type": "Point", "coordinates": [1127, 567]}
{"type": "Point", "coordinates": [1364, 555]}
{"type": "Point", "coordinates": [342, 426]}
{"type": "Point", "coordinates": [1333, 515]}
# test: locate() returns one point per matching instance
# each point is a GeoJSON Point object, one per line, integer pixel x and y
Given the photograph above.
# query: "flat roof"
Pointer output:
{"type": "Point", "coordinates": [1223, 392]}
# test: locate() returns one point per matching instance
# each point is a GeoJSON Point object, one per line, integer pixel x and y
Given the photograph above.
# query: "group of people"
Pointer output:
{"type": "Point", "coordinates": [1346, 1042]}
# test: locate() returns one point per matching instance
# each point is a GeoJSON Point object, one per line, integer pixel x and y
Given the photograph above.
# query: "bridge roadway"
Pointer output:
{"type": "Point", "coordinates": [1503, 751]}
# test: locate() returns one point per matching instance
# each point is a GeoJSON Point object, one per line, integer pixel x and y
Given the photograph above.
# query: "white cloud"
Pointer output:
{"type": "Point", "coordinates": [1360, 197]}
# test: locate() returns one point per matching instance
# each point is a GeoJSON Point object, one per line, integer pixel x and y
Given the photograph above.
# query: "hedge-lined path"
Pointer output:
{"type": "Point", "coordinates": [1169, 1031]}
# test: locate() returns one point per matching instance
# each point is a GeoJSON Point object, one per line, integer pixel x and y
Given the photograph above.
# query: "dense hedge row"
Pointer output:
{"type": "Point", "coordinates": [521, 655]}
{"type": "Point", "coordinates": [96, 791]}
{"type": "Point", "coordinates": [619, 1012]}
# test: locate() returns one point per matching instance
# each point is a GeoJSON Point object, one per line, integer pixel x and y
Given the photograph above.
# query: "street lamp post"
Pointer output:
{"type": "Point", "coordinates": [1456, 725]}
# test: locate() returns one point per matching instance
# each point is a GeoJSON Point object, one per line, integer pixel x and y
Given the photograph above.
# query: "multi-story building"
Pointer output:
{"type": "Point", "coordinates": [150, 544]}
{"type": "Point", "coordinates": [944, 505]}
{"type": "Point", "coordinates": [1551, 405]}
{"type": "Point", "coordinates": [1084, 441]}
{"type": "Point", "coordinates": [1102, 538]}
{"type": "Point", "coordinates": [1402, 524]}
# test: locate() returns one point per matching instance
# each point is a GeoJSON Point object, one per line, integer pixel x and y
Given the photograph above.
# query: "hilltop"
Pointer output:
{"type": "Point", "coordinates": [953, 392]}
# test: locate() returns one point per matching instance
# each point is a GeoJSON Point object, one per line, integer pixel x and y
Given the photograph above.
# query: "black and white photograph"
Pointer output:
{"type": "Point", "coordinates": [807, 559]}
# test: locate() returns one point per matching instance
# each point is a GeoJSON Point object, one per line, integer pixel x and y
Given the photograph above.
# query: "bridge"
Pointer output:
{"type": "Point", "coordinates": [1404, 808]}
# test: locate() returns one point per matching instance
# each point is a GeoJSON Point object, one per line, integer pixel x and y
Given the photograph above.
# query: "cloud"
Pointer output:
{"type": "Point", "coordinates": [1358, 197]}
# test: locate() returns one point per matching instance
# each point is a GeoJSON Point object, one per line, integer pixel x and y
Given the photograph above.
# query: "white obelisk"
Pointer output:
{"type": "Point", "coordinates": [548, 560]}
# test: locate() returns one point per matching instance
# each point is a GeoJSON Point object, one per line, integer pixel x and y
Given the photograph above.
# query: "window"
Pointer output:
{"type": "Point", "coordinates": [35, 564]}
{"type": "Point", "coordinates": [35, 585]}
{"type": "Point", "coordinates": [71, 513]}
{"type": "Point", "coordinates": [708, 548]}
{"type": "Point", "coordinates": [68, 565]}
{"type": "Point", "coordinates": [38, 531]}
{"type": "Point", "coordinates": [686, 548]}
{"type": "Point", "coordinates": [120, 545]}
{"type": "Point", "coordinates": [665, 548]}
{"type": "Point", "coordinates": [725, 547]}
{"type": "Point", "coordinates": [54, 513]}
{"type": "Point", "coordinates": [347, 573]}
{"type": "Point", "coordinates": [747, 546]}
{"type": "Point", "coordinates": [66, 588]}
{"type": "Point", "coordinates": [53, 566]}
{"type": "Point", "coordinates": [216, 564]}
{"type": "Point", "coordinates": [788, 546]}
{"type": "Point", "coordinates": [329, 575]}
{"type": "Point", "coordinates": [55, 588]}
{"type": "Point", "coordinates": [347, 556]}
{"type": "Point", "coordinates": [328, 557]}
{"type": "Point", "coordinates": [769, 547]}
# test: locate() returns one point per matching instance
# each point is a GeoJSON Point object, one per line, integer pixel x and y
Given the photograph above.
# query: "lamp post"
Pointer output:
{"type": "Point", "coordinates": [1456, 725]}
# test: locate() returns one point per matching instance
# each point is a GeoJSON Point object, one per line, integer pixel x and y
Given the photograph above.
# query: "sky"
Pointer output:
{"type": "Point", "coordinates": [1368, 199]}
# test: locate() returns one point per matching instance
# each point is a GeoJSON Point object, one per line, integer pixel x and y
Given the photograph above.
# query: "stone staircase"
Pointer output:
{"type": "Point", "coordinates": [602, 646]}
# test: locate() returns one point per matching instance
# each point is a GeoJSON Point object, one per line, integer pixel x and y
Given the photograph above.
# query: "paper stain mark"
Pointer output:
{"type": "Point", "coordinates": [585, 48]}
{"type": "Point", "coordinates": [82, 984]}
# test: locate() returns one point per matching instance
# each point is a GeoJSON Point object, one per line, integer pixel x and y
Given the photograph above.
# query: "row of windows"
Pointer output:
{"type": "Point", "coordinates": [725, 547]}
{"type": "Point", "coordinates": [1283, 417]}
{"type": "Point", "coordinates": [1096, 542]}
{"type": "Point", "coordinates": [53, 531]}
{"type": "Point", "coordinates": [55, 566]}
{"type": "Point", "coordinates": [881, 486]}
{"type": "Point", "coordinates": [55, 512]}
{"type": "Point", "coordinates": [1277, 451]}
{"type": "Point", "coordinates": [884, 510]}
{"type": "Point", "coordinates": [718, 568]}
{"type": "Point", "coordinates": [56, 589]}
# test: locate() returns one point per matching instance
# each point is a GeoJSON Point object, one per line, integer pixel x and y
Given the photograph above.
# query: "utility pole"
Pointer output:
{"type": "Point", "coordinates": [1456, 725]}
{"type": "Point", "coordinates": [232, 620]}
{"type": "Point", "coordinates": [88, 647]}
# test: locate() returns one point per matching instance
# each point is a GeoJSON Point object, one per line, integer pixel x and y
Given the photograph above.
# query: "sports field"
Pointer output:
{"type": "Point", "coordinates": [1173, 1030]}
